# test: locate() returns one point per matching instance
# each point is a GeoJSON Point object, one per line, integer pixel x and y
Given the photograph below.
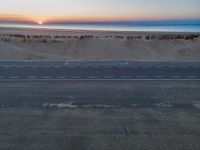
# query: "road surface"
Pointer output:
{"type": "Point", "coordinates": [101, 70]}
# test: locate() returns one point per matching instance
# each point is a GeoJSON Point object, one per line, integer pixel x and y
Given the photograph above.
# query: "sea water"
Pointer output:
{"type": "Point", "coordinates": [164, 26]}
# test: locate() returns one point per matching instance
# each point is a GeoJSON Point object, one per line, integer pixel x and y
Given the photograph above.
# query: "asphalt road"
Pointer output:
{"type": "Point", "coordinates": [93, 70]}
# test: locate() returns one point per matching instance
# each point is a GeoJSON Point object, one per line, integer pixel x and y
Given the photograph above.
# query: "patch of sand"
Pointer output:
{"type": "Point", "coordinates": [29, 44]}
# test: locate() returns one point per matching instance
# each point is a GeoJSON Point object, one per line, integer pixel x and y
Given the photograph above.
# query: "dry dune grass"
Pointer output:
{"type": "Point", "coordinates": [38, 45]}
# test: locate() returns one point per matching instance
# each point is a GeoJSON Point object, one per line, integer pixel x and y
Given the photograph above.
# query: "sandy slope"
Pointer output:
{"type": "Point", "coordinates": [16, 44]}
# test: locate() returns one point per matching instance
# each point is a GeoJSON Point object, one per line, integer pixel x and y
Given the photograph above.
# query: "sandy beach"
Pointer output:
{"type": "Point", "coordinates": [48, 44]}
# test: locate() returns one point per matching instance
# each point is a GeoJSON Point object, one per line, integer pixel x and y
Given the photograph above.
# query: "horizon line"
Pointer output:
{"type": "Point", "coordinates": [104, 22]}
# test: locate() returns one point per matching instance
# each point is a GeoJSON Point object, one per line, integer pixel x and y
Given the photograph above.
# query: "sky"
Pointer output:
{"type": "Point", "coordinates": [98, 10]}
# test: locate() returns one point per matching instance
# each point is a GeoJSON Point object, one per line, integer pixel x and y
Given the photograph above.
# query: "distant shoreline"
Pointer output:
{"type": "Point", "coordinates": [40, 28]}
{"type": "Point", "coordinates": [61, 34]}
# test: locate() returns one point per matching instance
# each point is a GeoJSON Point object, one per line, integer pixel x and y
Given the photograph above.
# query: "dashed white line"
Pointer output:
{"type": "Point", "coordinates": [191, 77]}
{"type": "Point", "coordinates": [109, 77]}
{"type": "Point", "coordinates": [63, 77]}
{"type": "Point", "coordinates": [46, 77]}
{"type": "Point", "coordinates": [32, 77]}
{"type": "Point", "coordinates": [2, 77]}
{"type": "Point", "coordinates": [142, 77]}
{"type": "Point", "coordinates": [77, 77]}
{"type": "Point", "coordinates": [14, 77]}
{"type": "Point", "coordinates": [176, 77]}
{"type": "Point", "coordinates": [93, 77]}
{"type": "Point", "coordinates": [158, 76]}
{"type": "Point", "coordinates": [126, 77]}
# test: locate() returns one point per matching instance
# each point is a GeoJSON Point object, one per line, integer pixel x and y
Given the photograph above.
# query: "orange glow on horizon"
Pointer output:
{"type": "Point", "coordinates": [15, 18]}
{"type": "Point", "coordinates": [72, 11]}
{"type": "Point", "coordinates": [22, 18]}
{"type": "Point", "coordinates": [40, 22]}
{"type": "Point", "coordinates": [44, 20]}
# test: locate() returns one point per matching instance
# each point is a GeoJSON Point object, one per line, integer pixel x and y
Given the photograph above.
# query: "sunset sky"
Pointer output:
{"type": "Point", "coordinates": [98, 10]}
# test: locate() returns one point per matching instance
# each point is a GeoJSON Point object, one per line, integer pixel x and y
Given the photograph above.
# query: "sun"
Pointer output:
{"type": "Point", "coordinates": [40, 22]}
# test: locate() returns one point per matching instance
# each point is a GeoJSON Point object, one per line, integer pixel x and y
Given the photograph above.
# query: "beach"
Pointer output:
{"type": "Point", "coordinates": [50, 44]}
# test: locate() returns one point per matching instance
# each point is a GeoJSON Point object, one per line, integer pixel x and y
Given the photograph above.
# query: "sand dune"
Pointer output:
{"type": "Point", "coordinates": [41, 44]}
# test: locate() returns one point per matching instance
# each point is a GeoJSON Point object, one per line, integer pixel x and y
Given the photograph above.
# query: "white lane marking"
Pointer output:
{"type": "Point", "coordinates": [109, 77]}
{"type": "Point", "coordinates": [126, 77]}
{"type": "Point", "coordinates": [63, 77]}
{"type": "Point", "coordinates": [14, 77]}
{"type": "Point", "coordinates": [126, 62]}
{"type": "Point", "coordinates": [46, 77]}
{"type": "Point", "coordinates": [2, 77]}
{"type": "Point", "coordinates": [77, 77]}
{"type": "Point", "coordinates": [158, 76]}
{"type": "Point", "coordinates": [31, 77]}
{"type": "Point", "coordinates": [66, 62]}
{"type": "Point", "coordinates": [142, 77]}
{"type": "Point", "coordinates": [176, 77]}
{"type": "Point", "coordinates": [191, 77]}
{"type": "Point", "coordinates": [93, 77]}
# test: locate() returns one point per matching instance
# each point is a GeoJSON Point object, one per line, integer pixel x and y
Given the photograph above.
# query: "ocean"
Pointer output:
{"type": "Point", "coordinates": [164, 26]}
